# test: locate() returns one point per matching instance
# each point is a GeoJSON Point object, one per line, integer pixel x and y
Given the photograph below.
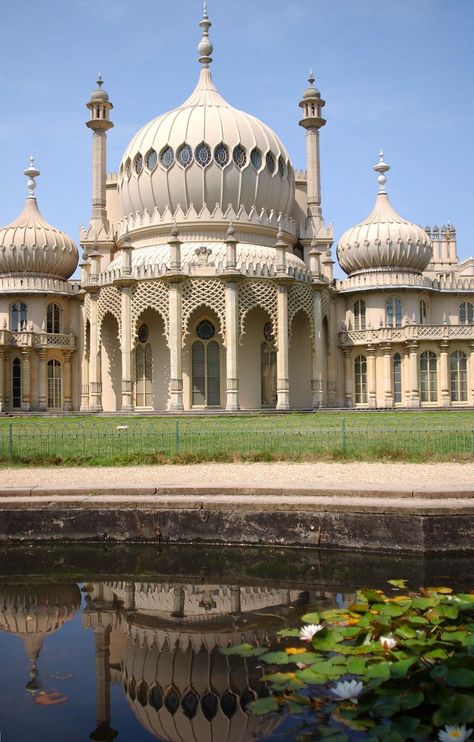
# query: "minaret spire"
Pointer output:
{"type": "Point", "coordinates": [99, 122]}
{"type": "Point", "coordinates": [205, 47]}
{"type": "Point", "coordinates": [31, 173]}
{"type": "Point", "coordinates": [381, 167]}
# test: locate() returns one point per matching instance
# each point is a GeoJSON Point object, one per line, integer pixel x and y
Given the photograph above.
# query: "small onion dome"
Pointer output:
{"type": "Point", "coordinates": [311, 91]}
{"type": "Point", "coordinates": [99, 94]}
{"type": "Point", "coordinates": [31, 245]}
{"type": "Point", "coordinates": [384, 240]}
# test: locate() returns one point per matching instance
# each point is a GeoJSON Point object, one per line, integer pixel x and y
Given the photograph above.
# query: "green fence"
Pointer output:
{"type": "Point", "coordinates": [208, 438]}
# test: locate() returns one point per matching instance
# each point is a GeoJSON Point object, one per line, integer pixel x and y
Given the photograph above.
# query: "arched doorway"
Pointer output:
{"type": "Point", "coordinates": [206, 381]}
{"type": "Point", "coordinates": [16, 384]}
{"type": "Point", "coordinates": [143, 369]}
{"type": "Point", "coordinates": [268, 367]}
{"type": "Point", "coordinates": [300, 362]}
{"type": "Point", "coordinates": [111, 360]}
{"type": "Point", "coordinates": [55, 385]}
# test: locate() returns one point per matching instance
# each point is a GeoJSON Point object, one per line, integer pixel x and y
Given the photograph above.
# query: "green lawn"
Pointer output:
{"type": "Point", "coordinates": [411, 436]}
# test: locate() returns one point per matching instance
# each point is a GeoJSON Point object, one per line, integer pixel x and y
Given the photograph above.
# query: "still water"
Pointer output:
{"type": "Point", "coordinates": [124, 642]}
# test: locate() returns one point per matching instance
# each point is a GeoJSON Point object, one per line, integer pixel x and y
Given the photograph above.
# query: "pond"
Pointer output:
{"type": "Point", "coordinates": [104, 642]}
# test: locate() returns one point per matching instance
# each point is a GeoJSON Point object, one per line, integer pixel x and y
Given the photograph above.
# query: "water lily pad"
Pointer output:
{"type": "Point", "coordinates": [263, 706]}
{"type": "Point", "coordinates": [276, 658]}
{"type": "Point", "coordinates": [379, 670]}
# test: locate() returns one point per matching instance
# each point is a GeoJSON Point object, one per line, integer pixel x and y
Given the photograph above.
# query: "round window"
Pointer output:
{"type": "Point", "coordinates": [185, 155]}
{"type": "Point", "coordinates": [270, 163]}
{"type": "Point", "coordinates": [167, 157]}
{"type": "Point", "coordinates": [268, 332]}
{"type": "Point", "coordinates": [138, 164]}
{"type": "Point", "coordinates": [203, 154]}
{"type": "Point", "coordinates": [221, 155]}
{"type": "Point", "coordinates": [256, 159]}
{"type": "Point", "coordinates": [205, 330]}
{"type": "Point", "coordinates": [151, 160]}
{"type": "Point", "coordinates": [239, 155]}
{"type": "Point", "coordinates": [143, 333]}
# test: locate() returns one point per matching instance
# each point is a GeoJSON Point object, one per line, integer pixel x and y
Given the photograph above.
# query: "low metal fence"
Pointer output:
{"type": "Point", "coordinates": [169, 437]}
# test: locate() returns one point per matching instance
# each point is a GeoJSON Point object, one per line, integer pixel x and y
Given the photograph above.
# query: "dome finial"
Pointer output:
{"type": "Point", "coordinates": [381, 167]}
{"type": "Point", "coordinates": [205, 47]}
{"type": "Point", "coordinates": [31, 173]}
{"type": "Point", "coordinates": [311, 77]}
{"type": "Point", "coordinates": [100, 81]}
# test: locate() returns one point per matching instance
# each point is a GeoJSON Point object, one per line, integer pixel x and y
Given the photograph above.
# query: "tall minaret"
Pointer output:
{"type": "Point", "coordinates": [99, 107]}
{"type": "Point", "coordinates": [315, 230]}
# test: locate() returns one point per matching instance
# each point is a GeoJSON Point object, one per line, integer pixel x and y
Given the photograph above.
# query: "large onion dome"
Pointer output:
{"type": "Point", "coordinates": [384, 241]}
{"type": "Point", "coordinates": [206, 152]}
{"type": "Point", "coordinates": [31, 245]}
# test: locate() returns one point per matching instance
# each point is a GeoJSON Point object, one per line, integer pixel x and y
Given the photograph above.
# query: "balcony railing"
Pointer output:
{"type": "Point", "coordinates": [408, 333]}
{"type": "Point", "coordinates": [29, 339]}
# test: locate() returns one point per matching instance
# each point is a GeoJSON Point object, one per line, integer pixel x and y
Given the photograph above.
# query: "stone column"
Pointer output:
{"type": "Point", "coordinates": [103, 730]}
{"type": "Point", "coordinates": [231, 345]}
{"type": "Point", "coordinates": [371, 378]}
{"type": "Point", "coordinates": [26, 380]}
{"type": "Point", "coordinates": [414, 375]}
{"type": "Point", "coordinates": [317, 353]}
{"type": "Point", "coordinates": [8, 381]}
{"type": "Point", "coordinates": [178, 604]}
{"type": "Point", "coordinates": [176, 345]}
{"type": "Point", "coordinates": [42, 380]}
{"type": "Point", "coordinates": [471, 373]}
{"type": "Point", "coordinates": [82, 349]}
{"type": "Point", "coordinates": [387, 375]}
{"type": "Point", "coordinates": [2, 380]}
{"type": "Point", "coordinates": [283, 382]}
{"type": "Point", "coordinates": [444, 374]}
{"type": "Point", "coordinates": [235, 602]}
{"type": "Point", "coordinates": [67, 382]}
{"type": "Point", "coordinates": [129, 597]}
{"type": "Point", "coordinates": [126, 347]}
{"type": "Point", "coordinates": [348, 375]}
{"type": "Point", "coordinates": [95, 369]}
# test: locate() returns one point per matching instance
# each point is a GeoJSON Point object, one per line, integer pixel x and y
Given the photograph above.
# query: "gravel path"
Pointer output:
{"type": "Point", "coordinates": [277, 474]}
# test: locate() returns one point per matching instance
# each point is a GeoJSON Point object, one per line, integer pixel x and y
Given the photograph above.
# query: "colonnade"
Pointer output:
{"type": "Point", "coordinates": [91, 398]}
{"type": "Point", "coordinates": [33, 378]}
{"type": "Point", "coordinates": [380, 391]}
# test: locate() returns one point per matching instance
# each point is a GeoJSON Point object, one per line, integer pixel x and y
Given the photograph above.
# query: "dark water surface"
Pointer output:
{"type": "Point", "coordinates": [104, 642]}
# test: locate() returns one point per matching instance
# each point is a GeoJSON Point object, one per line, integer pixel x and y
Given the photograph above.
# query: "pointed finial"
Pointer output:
{"type": "Point", "coordinates": [31, 173]}
{"type": "Point", "coordinates": [311, 77]}
{"type": "Point", "coordinates": [205, 47]}
{"type": "Point", "coordinates": [175, 231]}
{"type": "Point", "coordinates": [381, 167]}
{"type": "Point", "coordinates": [100, 81]}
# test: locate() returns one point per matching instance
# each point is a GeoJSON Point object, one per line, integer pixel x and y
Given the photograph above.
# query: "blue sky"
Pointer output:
{"type": "Point", "coordinates": [394, 73]}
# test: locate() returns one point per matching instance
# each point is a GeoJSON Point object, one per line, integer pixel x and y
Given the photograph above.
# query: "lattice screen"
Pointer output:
{"type": "Point", "coordinates": [109, 301]}
{"type": "Point", "coordinates": [261, 294]}
{"type": "Point", "coordinates": [203, 293]}
{"type": "Point", "coordinates": [150, 295]}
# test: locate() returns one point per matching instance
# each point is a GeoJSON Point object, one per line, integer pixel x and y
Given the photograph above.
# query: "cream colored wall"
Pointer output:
{"type": "Point", "coordinates": [300, 363]}
{"type": "Point", "coordinates": [111, 364]}
{"type": "Point", "coordinates": [36, 311]}
{"type": "Point", "coordinates": [112, 202]}
{"type": "Point", "coordinates": [160, 356]}
{"type": "Point", "coordinates": [250, 373]}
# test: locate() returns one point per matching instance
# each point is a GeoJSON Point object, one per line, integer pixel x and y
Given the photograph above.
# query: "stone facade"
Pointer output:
{"type": "Point", "coordinates": [207, 281]}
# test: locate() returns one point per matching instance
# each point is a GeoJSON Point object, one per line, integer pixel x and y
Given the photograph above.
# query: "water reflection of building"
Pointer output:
{"type": "Point", "coordinates": [163, 642]}
{"type": "Point", "coordinates": [33, 612]}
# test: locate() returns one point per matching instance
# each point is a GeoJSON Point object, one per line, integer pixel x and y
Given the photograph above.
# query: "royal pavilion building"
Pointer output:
{"type": "Point", "coordinates": [207, 282]}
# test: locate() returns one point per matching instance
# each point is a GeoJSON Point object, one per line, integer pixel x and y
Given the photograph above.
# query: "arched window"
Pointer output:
{"type": "Point", "coordinates": [55, 385]}
{"type": "Point", "coordinates": [206, 366]}
{"type": "Point", "coordinates": [423, 312]}
{"type": "Point", "coordinates": [360, 374]}
{"type": "Point", "coordinates": [466, 313]}
{"type": "Point", "coordinates": [16, 384]}
{"type": "Point", "coordinates": [397, 378]}
{"type": "Point", "coordinates": [428, 377]}
{"type": "Point", "coordinates": [458, 376]}
{"type": "Point", "coordinates": [268, 359]}
{"type": "Point", "coordinates": [143, 370]}
{"type": "Point", "coordinates": [19, 316]}
{"type": "Point", "coordinates": [394, 312]}
{"type": "Point", "coordinates": [359, 314]}
{"type": "Point", "coordinates": [53, 319]}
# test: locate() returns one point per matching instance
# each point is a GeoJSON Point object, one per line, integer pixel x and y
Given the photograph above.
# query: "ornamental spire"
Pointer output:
{"type": "Point", "coordinates": [381, 167]}
{"type": "Point", "coordinates": [31, 173]}
{"type": "Point", "coordinates": [205, 47]}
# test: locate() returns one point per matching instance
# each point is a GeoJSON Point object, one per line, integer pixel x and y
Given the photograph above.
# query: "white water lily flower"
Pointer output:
{"type": "Point", "coordinates": [307, 632]}
{"type": "Point", "coordinates": [348, 690]}
{"type": "Point", "coordinates": [388, 643]}
{"type": "Point", "coordinates": [454, 733]}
